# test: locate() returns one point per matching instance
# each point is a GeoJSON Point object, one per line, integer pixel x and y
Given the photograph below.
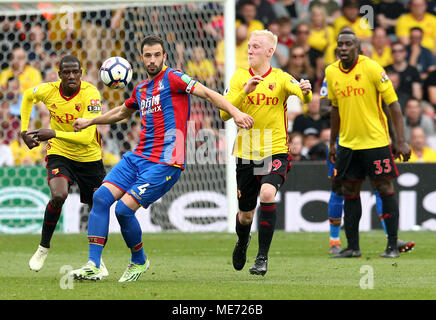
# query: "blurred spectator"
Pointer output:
{"type": "Point", "coordinates": [387, 13]}
{"type": "Point", "coordinates": [414, 117]}
{"type": "Point", "coordinates": [331, 7]}
{"type": "Point", "coordinates": [297, 10]}
{"type": "Point", "coordinates": [350, 17]}
{"type": "Point", "coordinates": [10, 124]}
{"type": "Point", "coordinates": [40, 49]}
{"type": "Point", "coordinates": [312, 118]}
{"type": "Point", "coordinates": [6, 157]}
{"type": "Point", "coordinates": [280, 58]}
{"type": "Point", "coordinates": [285, 35]}
{"type": "Point", "coordinates": [14, 98]}
{"type": "Point", "coordinates": [27, 75]}
{"type": "Point", "coordinates": [299, 65]}
{"type": "Point", "coordinates": [366, 49]}
{"type": "Point", "coordinates": [302, 34]}
{"type": "Point", "coordinates": [311, 138]}
{"type": "Point", "coordinates": [24, 156]}
{"type": "Point", "coordinates": [241, 52]}
{"type": "Point", "coordinates": [418, 56]}
{"type": "Point", "coordinates": [201, 67]}
{"type": "Point", "coordinates": [294, 109]}
{"type": "Point", "coordinates": [418, 17]}
{"type": "Point", "coordinates": [321, 36]}
{"type": "Point", "coordinates": [318, 152]}
{"type": "Point", "coordinates": [132, 137]}
{"type": "Point", "coordinates": [246, 14]}
{"type": "Point", "coordinates": [11, 33]}
{"type": "Point", "coordinates": [410, 81]}
{"type": "Point", "coordinates": [395, 78]}
{"type": "Point", "coordinates": [420, 151]}
{"type": "Point", "coordinates": [430, 88]}
{"type": "Point", "coordinates": [265, 11]}
{"type": "Point", "coordinates": [381, 48]}
{"type": "Point", "coordinates": [296, 146]}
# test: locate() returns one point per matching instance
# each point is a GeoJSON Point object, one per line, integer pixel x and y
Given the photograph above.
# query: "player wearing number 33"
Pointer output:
{"type": "Point", "coordinates": [154, 166]}
{"type": "Point", "coordinates": [356, 86]}
{"type": "Point", "coordinates": [262, 155]}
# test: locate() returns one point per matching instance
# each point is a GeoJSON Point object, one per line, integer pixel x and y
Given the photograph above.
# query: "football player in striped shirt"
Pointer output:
{"type": "Point", "coordinates": [154, 166]}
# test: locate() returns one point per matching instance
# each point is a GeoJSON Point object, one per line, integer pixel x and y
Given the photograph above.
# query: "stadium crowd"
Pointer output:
{"type": "Point", "coordinates": [399, 35]}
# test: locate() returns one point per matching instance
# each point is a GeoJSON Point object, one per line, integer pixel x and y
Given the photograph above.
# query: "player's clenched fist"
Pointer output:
{"type": "Point", "coordinates": [305, 86]}
{"type": "Point", "coordinates": [243, 120]}
{"type": "Point", "coordinates": [252, 84]}
{"type": "Point", "coordinates": [81, 123]}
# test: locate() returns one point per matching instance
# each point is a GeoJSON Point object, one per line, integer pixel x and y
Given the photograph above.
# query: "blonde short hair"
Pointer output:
{"type": "Point", "coordinates": [268, 34]}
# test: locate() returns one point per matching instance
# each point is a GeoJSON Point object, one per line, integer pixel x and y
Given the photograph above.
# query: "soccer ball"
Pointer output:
{"type": "Point", "coordinates": [116, 72]}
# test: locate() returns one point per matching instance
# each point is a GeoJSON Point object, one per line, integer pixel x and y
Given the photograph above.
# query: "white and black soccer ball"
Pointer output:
{"type": "Point", "coordinates": [116, 72]}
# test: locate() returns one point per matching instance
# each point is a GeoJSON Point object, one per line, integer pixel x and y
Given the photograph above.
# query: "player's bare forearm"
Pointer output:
{"type": "Point", "coordinates": [241, 119]}
{"type": "Point", "coordinates": [335, 121]}
{"type": "Point", "coordinates": [401, 146]}
{"type": "Point", "coordinates": [334, 133]}
{"type": "Point", "coordinates": [113, 116]}
{"type": "Point", "coordinates": [392, 132]}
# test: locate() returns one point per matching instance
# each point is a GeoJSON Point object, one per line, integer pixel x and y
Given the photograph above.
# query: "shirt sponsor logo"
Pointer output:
{"type": "Point", "coordinates": [262, 99]}
{"type": "Point", "coordinates": [350, 91]}
{"type": "Point", "coordinates": [151, 105]}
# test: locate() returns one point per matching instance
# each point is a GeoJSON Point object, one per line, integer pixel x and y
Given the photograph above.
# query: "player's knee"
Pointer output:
{"type": "Point", "coordinates": [122, 211]}
{"type": "Point", "coordinates": [267, 193]}
{"type": "Point", "coordinates": [58, 198]}
{"type": "Point", "coordinates": [385, 187]}
{"type": "Point", "coordinates": [246, 217]}
{"type": "Point", "coordinates": [102, 197]}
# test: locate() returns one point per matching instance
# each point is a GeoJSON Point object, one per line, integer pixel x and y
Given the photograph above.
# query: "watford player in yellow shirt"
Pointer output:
{"type": "Point", "coordinates": [71, 156]}
{"type": "Point", "coordinates": [263, 158]}
{"type": "Point", "coordinates": [356, 85]}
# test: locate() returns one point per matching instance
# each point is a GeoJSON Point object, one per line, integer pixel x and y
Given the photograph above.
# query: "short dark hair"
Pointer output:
{"type": "Point", "coordinates": [152, 40]}
{"type": "Point", "coordinates": [416, 28]}
{"type": "Point", "coordinates": [69, 58]}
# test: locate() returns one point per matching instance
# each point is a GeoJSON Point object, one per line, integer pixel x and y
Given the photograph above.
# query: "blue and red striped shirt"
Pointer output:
{"type": "Point", "coordinates": [164, 106]}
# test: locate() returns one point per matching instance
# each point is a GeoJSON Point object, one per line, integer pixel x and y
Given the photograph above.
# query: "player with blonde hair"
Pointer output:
{"type": "Point", "coordinates": [262, 154]}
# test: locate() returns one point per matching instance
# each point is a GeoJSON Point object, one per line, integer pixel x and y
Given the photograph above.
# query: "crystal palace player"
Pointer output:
{"type": "Point", "coordinates": [71, 156]}
{"type": "Point", "coordinates": [356, 85]}
{"type": "Point", "coordinates": [154, 166]}
{"type": "Point", "coordinates": [263, 159]}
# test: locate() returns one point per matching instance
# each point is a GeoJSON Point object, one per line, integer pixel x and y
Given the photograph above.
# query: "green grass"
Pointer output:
{"type": "Point", "coordinates": [194, 266]}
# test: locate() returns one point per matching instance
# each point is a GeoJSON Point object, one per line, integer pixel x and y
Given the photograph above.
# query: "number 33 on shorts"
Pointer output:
{"type": "Point", "coordinates": [382, 166]}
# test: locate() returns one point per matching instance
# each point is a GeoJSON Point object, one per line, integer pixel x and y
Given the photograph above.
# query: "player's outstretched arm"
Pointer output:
{"type": "Point", "coordinates": [241, 119]}
{"type": "Point", "coordinates": [401, 146]}
{"type": "Point", "coordinates": [112, 116]}
{"type": "Point", "coordinates": [26, 110]}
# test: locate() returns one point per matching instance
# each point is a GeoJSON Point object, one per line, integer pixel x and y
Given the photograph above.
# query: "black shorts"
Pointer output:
{"type": "Point", "coordinates": [87, 175]}
{"type": "Point", "coordinates": [355, 165]}
{"type": "Point", "coordinates": [250, 175]}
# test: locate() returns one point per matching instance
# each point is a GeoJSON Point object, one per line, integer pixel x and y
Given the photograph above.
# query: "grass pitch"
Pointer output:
{"type": "Point", "coordinates": [197, 266]}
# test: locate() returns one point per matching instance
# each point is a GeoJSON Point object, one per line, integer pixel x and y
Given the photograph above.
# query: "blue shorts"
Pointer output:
{"type": "Point", "coordinates": [144, 180]}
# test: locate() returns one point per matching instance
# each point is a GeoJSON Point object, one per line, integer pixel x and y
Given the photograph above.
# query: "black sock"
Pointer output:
{"type": "Point", "coordinates": [390, 217]}
{"type": "Point", "coordinates": [51, 217]}
{"type": "Point", "coordinates": [242, 230]}
{"type": "Point", "coordinates": [267, 223]}
{"type": "Point", "coordinates": [352, 214]}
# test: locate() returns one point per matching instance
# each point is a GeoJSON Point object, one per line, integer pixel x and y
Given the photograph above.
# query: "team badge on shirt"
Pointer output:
{"type": "Point", "coordinates": [272, 86]}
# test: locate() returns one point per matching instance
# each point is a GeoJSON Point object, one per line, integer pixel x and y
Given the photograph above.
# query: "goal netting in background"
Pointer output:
{"type": "Point", "coordinates": [194, 35]}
